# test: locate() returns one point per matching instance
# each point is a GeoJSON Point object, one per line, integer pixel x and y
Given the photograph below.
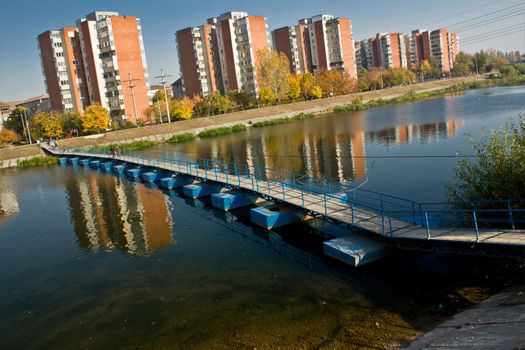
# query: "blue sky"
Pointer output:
{"type": "Point", "coordinates": [21, 21]}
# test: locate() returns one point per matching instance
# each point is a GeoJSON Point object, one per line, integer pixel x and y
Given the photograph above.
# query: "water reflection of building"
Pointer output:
{"type": "Point", "coordinates": [9, 206]}
{"type": "Point", "coordinates": [110, 213]}
{"type": "Point", "coordinates": [332, 149]}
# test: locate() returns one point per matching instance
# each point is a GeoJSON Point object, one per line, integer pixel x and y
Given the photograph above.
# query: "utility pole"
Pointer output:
{"type": "Point", "coordinates": [160, 112]}
{"type": "Point", "coordinates": [24, 124]}
{"type": "Point", "coordinates": [131, 87]}
{"type": "Point", "coordinates": [28, 131]}
{"type": "Point", "coordinates": [163, 77]}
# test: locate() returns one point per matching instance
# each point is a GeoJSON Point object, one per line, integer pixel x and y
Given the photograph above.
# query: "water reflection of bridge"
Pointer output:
{"type": "Point", "coordinates": [108, 213]}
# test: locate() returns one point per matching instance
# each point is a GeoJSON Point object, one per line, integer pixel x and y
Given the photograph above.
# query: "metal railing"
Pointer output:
{"type": "Point", "coordinates": [383, 213]}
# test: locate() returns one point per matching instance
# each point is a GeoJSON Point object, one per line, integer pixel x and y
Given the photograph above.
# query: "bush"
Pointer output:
{"type": "Point", "coordinates": [495, 173]}
{"type": "Point", "coordinates": [125, 147]}
{"type": "Point", "coordinates": [36, 162]}
{"type": "Point", "coordinates": [284, 120]}
{"type": "Point", "coordinates": [222, 131]}
{"type": "Point", "coordinates": [181, 138]}
{"type": "Point", "coordinates": [8, 137]}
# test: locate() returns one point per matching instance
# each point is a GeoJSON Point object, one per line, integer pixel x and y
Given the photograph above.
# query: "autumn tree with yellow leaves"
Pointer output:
{"type": "Point", "coordinates": [46, 125]}
{"type": "Point", "coordinates": [95, 119]}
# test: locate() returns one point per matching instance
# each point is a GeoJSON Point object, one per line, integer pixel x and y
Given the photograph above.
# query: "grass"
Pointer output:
{"type": "Point", "coordinates": [125, 147]}
{"type": "Point", "coordinates": [222, 131]}
{"type": "Point", "coordinates": [285, 120]}
{"type": "Point", "coordinates": [181, 138]}
{"type": "Point", "coordinates": [359, 105]}
{"type": "Point", "coordinates": [36, 162]}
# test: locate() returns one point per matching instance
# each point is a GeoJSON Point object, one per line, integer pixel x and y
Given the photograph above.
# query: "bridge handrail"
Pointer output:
{"type": "Point", "coordinates": [379, 201]}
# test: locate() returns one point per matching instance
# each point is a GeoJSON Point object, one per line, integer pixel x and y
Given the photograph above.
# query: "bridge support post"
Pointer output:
{"type": "Point", "coordinates": [509, 204]}
{"type": "Point", "coordinates": [476, 225]}
{"type": "Point", "coordinates": [426, 225]}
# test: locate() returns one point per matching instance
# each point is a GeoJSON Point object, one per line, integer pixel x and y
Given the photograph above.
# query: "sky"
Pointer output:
{"type": "Point", "coordinates": [21, 21]}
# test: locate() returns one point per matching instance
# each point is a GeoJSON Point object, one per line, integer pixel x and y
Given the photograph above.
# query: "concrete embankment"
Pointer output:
{"type": "Point", "coordinates": [496, 323]}
{"type": "Point", "coordinates": [161, 132]}
{"type": "Point", "coordinates": [10, 156]}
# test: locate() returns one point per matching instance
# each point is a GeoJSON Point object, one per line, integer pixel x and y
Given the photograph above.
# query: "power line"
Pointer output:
{"type": "Point", "coordinates": [463, 12]}
{"type": "Point", "coordinates": [485, 15]}
{"type": "Point", "coordinates": [494, 37]}
{"type": "Point", "coordinates": [492, 32]}
{"type": "Point", "coordinates": [489, 21]}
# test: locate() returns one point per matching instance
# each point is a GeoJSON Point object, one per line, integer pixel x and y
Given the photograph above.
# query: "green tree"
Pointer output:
{"type": "Point", "coordinates": [508, 71]}
{"type": "Point", "coordinates": [398, 76]}
{"type": "Point", "coordinates": [95, 119]}
{"type": "Point", "coordinates": [497, 170]}
{"type": "Point", "coordinates": [14, 121]}
{"type": "Point", "coordinates": [435, 65]}
{"type": "Point", "coordinates": [273, 69]}
{"type": "Point", "coordinates": [463, 64]}
{"type": "Point", "coordinates": [240, 98]}
{"type": "Point", "coordinates": [520, 67]}
{"type": "Point", "coordinates": [362, 82]}
{"type": "Point", "coordinates": [71, 120]}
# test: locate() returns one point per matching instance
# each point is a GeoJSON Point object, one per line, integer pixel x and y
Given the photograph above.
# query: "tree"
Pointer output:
{"type": "Point", "coordinates": [424, 69]}
{"type": "Point", "coordinates": [307, 83]}
{"type": "Point", "coordinates": [362, 82]}
{"type": "Point", "coordinates": [294, 83]}
{"type": "Point", "coordinates": [520, 67]}
{"type": "Point", "coordinates": [316, 92]}
{"type": "Point", "coordinates": [496, 171]}
{"type": "Point", "coordinates": [71, 120]}
{"type": "Point", "coordinates": [266, 96]}
{"type": "Point", "coordinates": [435, 66]}
{"type": "Point", "coordinates": [212, 104]}
{"type": "Point", "coordinates": [273, 69]}
{"type": "Point", "coordinates": [46, 125]}
{"type": "Point", "coordinates": [375, 78]}
{"type": "Point", "coordinates": [398, 76]}
{"type": "Point", "coordinates": [335, 82]}
{"type": "Point", "coordinates": [463, 64]}
{"type": "Point", "coordinates": [183, 109]}
{"type": "Point", "coordinates": [508, 71]}
{"type": "Point", "coordinates": [95, 119]}
{"type": "Point", "coordinates": [7, 137]}
{"type": "Point", "coordinates": [240, 98]}
{"type": "Point", "coordinates": [14, 121]}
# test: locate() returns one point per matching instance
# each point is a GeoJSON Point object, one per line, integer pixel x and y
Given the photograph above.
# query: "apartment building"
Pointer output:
{"type": "Point", "coordinates": [221, 56]}
{"type": "Point", "coordinates": [440, 48]}
{"type": "Point", "coordinates": [294, 42]}
{"type": "Point", "coordinates": [199, 60]}
{"type": "Point", "coordinates": [391, 51]}
{"type": "Point", "coordinates": [63, 69]}
{"type": "Point", "coordinates": [319, 42]}
{"type": "Point", "coordinates": [102, 60]}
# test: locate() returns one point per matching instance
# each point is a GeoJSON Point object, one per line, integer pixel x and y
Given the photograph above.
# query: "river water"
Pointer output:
{"type": "Point", "coordinates": [89, 260]}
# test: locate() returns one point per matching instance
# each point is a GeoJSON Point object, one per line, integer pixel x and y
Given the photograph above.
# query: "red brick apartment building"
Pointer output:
{"type": "Point", "coordinates": [92, 62]}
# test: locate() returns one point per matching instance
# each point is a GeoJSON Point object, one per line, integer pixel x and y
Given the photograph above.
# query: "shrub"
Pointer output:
{"type": "Point", "coordinates": [36, 162]}
{"type": "Point", "coordinates": [222, 131]}
{"type": "Point", "coordinates": [7, 137]}
{"type": "Point", "coordinates": [181, 138]}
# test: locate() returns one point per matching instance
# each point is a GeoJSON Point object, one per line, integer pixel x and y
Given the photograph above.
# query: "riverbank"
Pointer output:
{"type": "Point", "coordinates": [496, 323]}
{"type": "Point", "coordinates": [162, 132]}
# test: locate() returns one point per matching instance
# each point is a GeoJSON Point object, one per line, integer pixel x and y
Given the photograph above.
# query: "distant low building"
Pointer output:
{"type": "Point", "coordinates": [156, 87]}
{"type": "Point", "coordinates": [35, 104]}
{"type": "Point", "coordinates": [178, 90]}
{"type": "Point", "coordinates": [5, 110]}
